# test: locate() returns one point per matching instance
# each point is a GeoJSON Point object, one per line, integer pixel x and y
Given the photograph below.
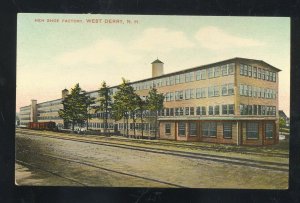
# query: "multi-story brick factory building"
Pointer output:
{"type": "Point", "coordinates": [233, 101]}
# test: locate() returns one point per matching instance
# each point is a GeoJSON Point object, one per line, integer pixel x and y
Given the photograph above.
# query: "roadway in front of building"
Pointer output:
{"type": "Point", "coordinates": [75, 160]}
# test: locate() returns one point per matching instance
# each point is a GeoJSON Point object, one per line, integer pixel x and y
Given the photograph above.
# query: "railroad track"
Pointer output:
{"type": "Point", "coordinates": [182, 145]}
{"type": "Point", "coordinates": [280, 167]}
{"type": "Point", "coordinates": [92, 166]}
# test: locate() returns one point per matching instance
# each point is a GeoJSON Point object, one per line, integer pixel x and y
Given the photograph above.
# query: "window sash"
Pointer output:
{"type": "Point", "coordinates": [252, 130]}
{"type": "Point", "coordinates": [181, 129]}
{"type": "Point", "coordinates": [227, 130]}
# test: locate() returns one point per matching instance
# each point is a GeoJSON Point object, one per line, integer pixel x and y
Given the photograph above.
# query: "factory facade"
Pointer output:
{"type": "Point", "coordinates": [234, 101]}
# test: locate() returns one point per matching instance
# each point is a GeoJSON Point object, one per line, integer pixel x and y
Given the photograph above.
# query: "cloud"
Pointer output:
{"type": "Point", "coordinates": [161, 39]}
{"type": "Point", "coordinates": [216, 39]}
{"type": "Point", "coordinates": [100, 52]}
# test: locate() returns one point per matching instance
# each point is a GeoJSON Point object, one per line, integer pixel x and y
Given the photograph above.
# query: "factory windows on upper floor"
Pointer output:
{"type": "Point", "coordinates": [252, 91]}
{"type": "Point", "coordinates": [211, 72]}
{"type": "Point", "coordinates": [259, 73]}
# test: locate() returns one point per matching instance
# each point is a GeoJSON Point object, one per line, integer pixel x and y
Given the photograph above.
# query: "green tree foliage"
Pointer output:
{"type": "Point", "coordinates": [105, 103]}
{"type": "Point", "coordinates": [125, 104]}
{"type": "Point", "coordinates": [75, 107]}
{"type": "Point", "coordinates": [142, 106]}
{"type": "Point", "coordinates": [282, 123]}
{"type": "Point", "coordinates": [155, 102]}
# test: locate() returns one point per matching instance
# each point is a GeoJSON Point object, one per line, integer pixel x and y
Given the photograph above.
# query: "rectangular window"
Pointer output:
{"type": "Point", "coordinates": [203, 110]}
{"type": "Point", "coordinates": [181, 128]}
{"type": "Point", "coordinates": [259, 110]}
{"type": "Point", "coordinates": [217, 71]}
{"type": "Point", "coordinates": [177, 79]}
{"type": "Point", "coordinates": [224, 70]}
{"type": "Point", "coordinates": [192, 94]}
{"type": "Point", "coordinates": [245, 70]}
{"type": "Point", "coordinates": [171, 96]}
{"type": "Point", "coordinates": [230, 89]}
{"type": "Point", "coordinates": [193, 129]}
{"type": "Point", "coordinates": [246, 92]}
{"type": "Point", "coordinates": [252, 130]}
{"type": "Point", "coordinates": [171, 111]}
{"type": "Point", "coordinates": [210, 110]}
{"type": "Point", "coordinates": [167, 128]}
{"type": "Point", "coordinates": [198, 93]}
{"type": "Point", "coordinates": [271, 76]}
{"type": "Point", "coordinates": [241, 69]}
{"type": "Point", "coordinates": [254, 72]}
{"type": "Point", "coordinates": [182, 78]}
{"type": "Point", "coordinates": [263, 74]}
{"type": "Point", "coordinates": [254, 109]}
{"type": "Point", "coordinates": [198, 75]}
{"type": "Point", "coordinates": [258, 92]}
{"type": "Point", "coordinates": [181, 111]}
{"type": "Point", "coordinates": [167, 96]}
{"type": "Point", "coordinates": [269, 130]}
{"type": "Point", "coordinates": [274, 77]}
{"type": "Point", "coordinates": [210, 73]}
{"type": "Point", "coordinates": [224, 109]}
{"type": "Point", "coordinates": [258, 73]}
{"type": "Point", "coordinates": [187, 94]}
{"type": "Point", "coordinates": [209, 129]}
{"type": "Point", "coordinates": [167, 112]}
{"type": "Point", "coordinates": [187, 111]}
{"type": "Point", "coordinates": [231, 68]}
{"type": "Point", "coordinates": [227, 130]}
{"type": "Point", "coordinates": [192, 111]}
{"type": "Point", "coordinates": [224, 90]}
{"type": "Point", "coordinates": [171, 80]}
{"type": "Point", "coordinates": [176, 111]}
{"type": "Point", "coordinates": [231, 109]}
{"type": "Point", "coordinates": [187, 77]}
{"type": "Point", "coordinates": [250, 71]}
{"type": "Point", "coordinates": [254, 92]}
{"type": "Point", "coordinates": [267, 75]}
{"type": "Point", "coordinates": [249, 91]}
{"type": "Point", "coordinates": [241, 89]}
{"type": "Point", "coordinates": [192, 75]}
{"type": "Point", "coordinates": [198, 109]}
{"type": "Point", "coordinates": [217, 110]}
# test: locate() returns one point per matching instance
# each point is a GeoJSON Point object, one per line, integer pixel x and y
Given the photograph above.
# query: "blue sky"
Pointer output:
{"type": "Point", "coordinates": [52, 56]}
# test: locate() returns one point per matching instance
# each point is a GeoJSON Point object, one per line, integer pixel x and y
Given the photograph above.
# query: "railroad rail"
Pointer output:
{"type": "Point", "coordinates": [268, 165]}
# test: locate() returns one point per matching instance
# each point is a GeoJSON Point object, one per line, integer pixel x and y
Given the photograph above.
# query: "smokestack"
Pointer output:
{"type": "Point", "coordinates": [64, 93]}
{"type": "Point", "coordinates": [157, 68]}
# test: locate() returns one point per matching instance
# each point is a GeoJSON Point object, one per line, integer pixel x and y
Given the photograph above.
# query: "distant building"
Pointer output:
{"type": "Point", "coordinates": [233, 102]}
{"type": "Point", "coordinates": [284, 116]}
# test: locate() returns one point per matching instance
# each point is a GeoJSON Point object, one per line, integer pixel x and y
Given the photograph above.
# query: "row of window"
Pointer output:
{"type": "Point", "coordinates": [101, 125]}
{"type": "Point", "coordinates": [259, 73]}
{"type": "Point", "coordinates": [49, 118]}
{"type": "Point", "coordinates": [257, 110]}
{"type": "Point", "coordinates": [138, 126]}
{"type": "Point", "coordinates": [213, 72]}
{"type": "Point", "coordinates": [47, 104]}
{"type": "Point", "coordinates": [251, 91]}
{"type": "Point", "coordinates": [226, 109]}
{"type": "Point", "coordinates": [209, 129]}
{"type": "Point", "coordinates": [214, 91]}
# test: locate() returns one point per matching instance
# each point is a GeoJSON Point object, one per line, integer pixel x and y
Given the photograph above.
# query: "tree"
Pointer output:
{"type": "Point", "coordinates": [105, 101]}
{"type": "Point", "coordinates": [75, 107]}
{"type": "Point", "coordinates": [282, 123]}
{"type": "Point", "coordinates": [154, 104]}
{"type": "Point", "coordinates": [122, 101]}
{"type": "Point", "coordinates": [142, 105]}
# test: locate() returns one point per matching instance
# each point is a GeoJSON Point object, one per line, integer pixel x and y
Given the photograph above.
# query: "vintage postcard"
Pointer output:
{"type": "Point", "coordinates": [152, 101]}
